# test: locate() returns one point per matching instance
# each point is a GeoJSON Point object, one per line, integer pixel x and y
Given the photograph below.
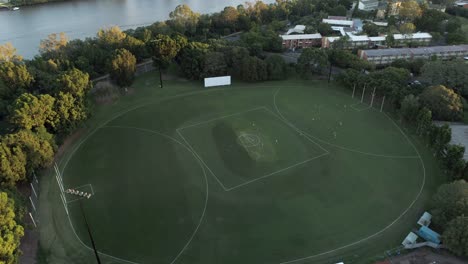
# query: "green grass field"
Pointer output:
{"type": "Point", "coordinates": [278, 172]}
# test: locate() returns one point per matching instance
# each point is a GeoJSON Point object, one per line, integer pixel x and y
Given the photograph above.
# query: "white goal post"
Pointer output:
{"type": "Point", "coordinates": [217, 81]}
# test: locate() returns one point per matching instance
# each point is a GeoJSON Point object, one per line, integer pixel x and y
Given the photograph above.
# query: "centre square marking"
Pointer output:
{"type": "Point", "coordinates": [248, 146]}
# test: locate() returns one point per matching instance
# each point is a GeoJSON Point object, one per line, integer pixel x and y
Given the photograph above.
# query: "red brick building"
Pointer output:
{"type": "Point", "coordinates": [301, 41]}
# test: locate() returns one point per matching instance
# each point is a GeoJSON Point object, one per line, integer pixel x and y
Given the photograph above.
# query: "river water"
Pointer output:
{"type": "Point", "coordinates": [82, 18]}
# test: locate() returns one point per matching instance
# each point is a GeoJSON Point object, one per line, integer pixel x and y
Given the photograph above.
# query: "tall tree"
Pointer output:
{"type": "Point", "coordinates": [11, 232]}
{"type": "Point", "coordinates": [39, 147]}
{"type": "Point", "coordinates": [183, 19]}
{"type": "Point", "coordinates": [8, 53]}
{"type": "Point", "coordinates": [410, 10]}
{"type": "Point", "coordinates": [111, 37]}
{"type": "Point", "coordinates": [163, 49]}
{"type": "Point", "coordinates": [325, 29]}
{"type": "Point", "coordinates": [29, 111]}
{"type": "Point", "coordinates": [12, 164]}
{"type": "Point", "coordinates": [453, 74]}
{"type": "Point", "coordinates": [123, 67]}
{"type": "Point", "coordinates": [455, 236]}
{"type": "Point", "coordinates": [313, 60]}
{"type": "Point", "coordinates": [407, 28]}
{"type": "Point", "coordinates": [70, 113]}
{"type": "Point", "coordinates": [430, 20]}
{"type": "Point", "coordinates": [253, 69]}
{"type": "Point", "coordinates": [276, 67]}
{"type": "Point", "coordinates": [53, 42]}
{"type": "Point", "coordinates": [371, 29]}
{"type": "Point", "coordinates": [449, 202]}
{"type": "Point", "coordinates": [74, 82]}
{"type": "Point", "coordinates": [191, 59]}
{"type": "Point", "coordinates": [444, 103]}
{"type": "Point", "coordinates": [410, 108]}
{"type": "Point", "coordinates": [214, 64]}
{"type": "Point", "coordinates": [453, 161]}
{"type": "Point", "coordinates": [424, 121]}
{"type": "Point", "coordinates": [16, 78]}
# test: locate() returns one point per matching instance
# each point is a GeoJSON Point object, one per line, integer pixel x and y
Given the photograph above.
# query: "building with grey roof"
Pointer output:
{"type": "Point", "coordinates": [387, 56]}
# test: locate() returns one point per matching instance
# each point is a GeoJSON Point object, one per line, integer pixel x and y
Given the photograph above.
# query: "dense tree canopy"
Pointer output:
{"type": "Point", "coordinates": [191, 59]}
{"type": "Point", "coordinates": [30, 111]}
{"type": "Point", "coordinates": [111, 37]}
{"type": "Point", "coordinates": [452, 74]}
{"type": "Point", "coordinates": [410, 108]}
{"type": "Point", "coordinates": [16, 78]}
{"type": "Point", "coordinates": [371, 29]}
{"type": "Point", "coordinates": [183, 19]}
{"type": "Point", "coordinates": [123, 67]}
{"type": "Point", "coordinates": [455, 236]}
{"type": "Point", "coordinates": [313, 60]}
{"type": "Point", "coordinates": [8, 53]}
{"type": "Point", "coordinates": [449, 202]}
{"type": "Point", "coordinates": [410, 10]}
{"type": "Point", "coordinates": [454, 162]}
{"type": "Point", "coordinates": [10, 231]}
{"type": "Point", "coordinates": [38, 147]}
{"type": "Point", "coordinates": [444, 103]}
{"type": "Point", "coordinates": [253, 69]}
{"type": "Point", "coordinates": [74, 82]}
{"type": "Point", "coordinates": [53, 42]}
{"type": "Point", "coordinates": [12, 164]}
{"type": "Point", "coordinates": [276, 68]}
{"type": "Point", "coordinates": [214, 64]}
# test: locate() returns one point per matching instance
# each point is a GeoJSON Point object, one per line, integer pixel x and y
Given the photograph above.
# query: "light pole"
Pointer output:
{"type": "Point", "coordinates": [89, 233]}
{"type": "Point", "coordinates": [85, 195]}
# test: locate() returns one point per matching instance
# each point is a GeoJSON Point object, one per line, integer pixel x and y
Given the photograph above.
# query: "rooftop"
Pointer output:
{"type": "Point", "coordinates": [382, 24]}
{"type": "Point", "coordinates": [416, 51]}
{"type": "Point", "coordinates": [301, 36]}
{"type": "Point", "coordinates": [418, 35]}
{"type": "Point", "coordinates": [338, 22]}
{"type": "Point", "coordinates": [297, 29]}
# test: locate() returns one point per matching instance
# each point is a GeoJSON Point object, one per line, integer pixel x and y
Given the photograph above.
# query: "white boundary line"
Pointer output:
{"type": "Point", "coordinates": [386, 227]}
{"type": "Point", "coordinates": [204, 173]}
{"type": "Point", "coordinates": [334, 145]}
{"type": "Point", "coordinates": [145, 103]}
{"type": "Point", "coordinates": [276, 172]}
{"type": "Point", "coordinates": [202, 161]}
{"type": "Point", "coordinates": [221, 117]}
{"type": "Point", "coordinates": [117, 115]}
{"type": "Point", "coordinates": [227, 189]}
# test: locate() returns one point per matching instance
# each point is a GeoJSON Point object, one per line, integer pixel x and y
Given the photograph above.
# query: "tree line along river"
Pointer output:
{"type": "Point", "coordinates": [82, 18]}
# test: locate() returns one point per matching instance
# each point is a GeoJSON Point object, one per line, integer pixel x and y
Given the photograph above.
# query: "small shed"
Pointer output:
{"type": "Point", "coordinates": [410, 239]}
{"type": "Point", "coordinates": [425, 219]}
{"type": "Point", "coordinates": [429, 234]}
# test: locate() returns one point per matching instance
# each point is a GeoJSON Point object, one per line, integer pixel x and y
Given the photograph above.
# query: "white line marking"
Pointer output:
{"type": "Point", "coordinates": [221, 117]}
{"type": "Point", "coordinates": [200, 158]}
{"type": "Point", "coordinates": [276, 172]}
{"type": "Point", "coordinates": [388, 226]}
{"type": "Point", "coordinates": [338, 146]}
{"type": "Point", "coordinates": [227, 189]}
{"type": "Point", "coordinates": [297, 130]}
{"type": "Point", "coordinates": [117, 115]}
{"type": "Point", "coordinates": [204, 173]}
